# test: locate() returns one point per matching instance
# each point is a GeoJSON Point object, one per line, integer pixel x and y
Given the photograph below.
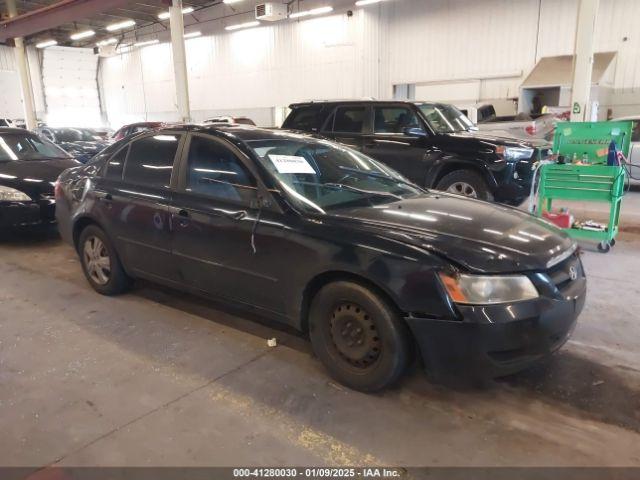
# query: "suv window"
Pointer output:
{"type": "Point", "coordinates": [115, 167]}
{"type": "Point", "coordinates": [304, 118]}
{"type": "Point", "coordinates": [394, 120]}
{"type": "Point", "coordinates": [349, 119]}
{"type": "Point", "coordinates": [635, 133]}
{"type": "Point", "coordinates": [150, 160]}
{"type": "Point", "coordinates": [214, 170]}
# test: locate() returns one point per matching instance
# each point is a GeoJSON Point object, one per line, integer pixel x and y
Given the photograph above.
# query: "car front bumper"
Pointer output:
{"type": "Point", "coordinates": [497, 340]}
{"type": "Point", "coordinates": [25, 214]}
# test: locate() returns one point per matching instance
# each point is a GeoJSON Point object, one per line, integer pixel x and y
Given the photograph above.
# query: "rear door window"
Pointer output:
{"type": "Point", "coordinates": [150, 161]}
{"type": "Point", "coordinates": [349, 119]}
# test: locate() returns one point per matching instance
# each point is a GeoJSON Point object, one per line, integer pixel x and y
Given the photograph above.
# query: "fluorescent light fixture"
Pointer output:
{"type": "Point", "coordinates": [166, 15]}
{"type": "Point", "coordinates": [147, 42]}
{"type": "Point", "coordinates": [108, 41]}
{"type": "Point", "coordinates": [231, 2]}
{"type": "Point", "coordinates": [192, 34]}
{"type": "Point", "coordinates": [120, 25]}
{"type": "Point", "coordinates": [81, 35]}
{"type": "Point", "coordinates": [47, 43]}
{"type": "Point", "coordinates": [313, 11]}
{"type": "Point", "coordinates": [362, 3]}
{"type": "Point", "coordinates": [238, 26]}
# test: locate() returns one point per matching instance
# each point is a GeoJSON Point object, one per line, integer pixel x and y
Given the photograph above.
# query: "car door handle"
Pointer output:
{"type": "Point", "coordinates": [183, 217]}
{"type": "Point", "coordinates": [238, 215]}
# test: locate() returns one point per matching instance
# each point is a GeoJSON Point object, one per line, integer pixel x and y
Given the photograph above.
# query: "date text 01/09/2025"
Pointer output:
{"type": "Point", "coordinates": [322, 472]}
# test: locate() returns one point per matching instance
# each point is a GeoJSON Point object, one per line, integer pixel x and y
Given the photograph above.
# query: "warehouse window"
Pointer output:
{"type": "Point", "coordinates": [116, 164]}
{"type": "Point", "coordinates": [150, 160]}
{"type": "Point", "coordinates": [215, 171]}
{"type": "Point", "coordinates": [349, 119]}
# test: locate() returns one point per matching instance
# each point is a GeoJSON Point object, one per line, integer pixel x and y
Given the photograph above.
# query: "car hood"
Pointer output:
{"type": "Point", "coordinates": [478, 236]}
{"type": "Point", "coordinates": [499, 138]}
{"type": "Point", "coordinates": [34, 177]}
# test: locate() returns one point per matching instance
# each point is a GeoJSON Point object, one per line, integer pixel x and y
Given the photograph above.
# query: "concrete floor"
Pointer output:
{"type": "Point", "coordinates": [156, 377]}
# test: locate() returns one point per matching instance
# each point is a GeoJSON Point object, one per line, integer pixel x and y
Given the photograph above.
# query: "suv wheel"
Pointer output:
{"type": "Point", "coordinates": [466, 183]}
{"type": "Point", "coordinates": [358, 337]}
{"type": "Point", "coordinates": [100, 262]}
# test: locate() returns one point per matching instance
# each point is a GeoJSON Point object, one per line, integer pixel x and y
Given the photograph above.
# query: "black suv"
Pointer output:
{"type": "Point", "coordinates": [434, 145]}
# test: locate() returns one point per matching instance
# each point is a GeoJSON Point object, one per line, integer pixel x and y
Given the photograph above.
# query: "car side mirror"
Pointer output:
{"type": "Point", "coordinates": [414, 132]}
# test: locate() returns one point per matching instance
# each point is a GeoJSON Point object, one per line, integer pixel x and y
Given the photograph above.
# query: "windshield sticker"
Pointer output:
{"type": "Point", "coordinates": [291, 164]}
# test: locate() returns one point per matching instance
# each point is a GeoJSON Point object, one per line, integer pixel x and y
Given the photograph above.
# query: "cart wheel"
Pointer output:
{"type": "Point", "coordinates": [612, 242]}
{"type": "Point", "coordinates": [604, 247]}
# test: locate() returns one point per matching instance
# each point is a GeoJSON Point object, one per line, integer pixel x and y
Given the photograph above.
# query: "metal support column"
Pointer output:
{"type": "Point", "coordinates": [23, 72]}
{"type": "Point", "coordinates": [583, 67]}
{"type": "Point", "coordinates": [176, 23]}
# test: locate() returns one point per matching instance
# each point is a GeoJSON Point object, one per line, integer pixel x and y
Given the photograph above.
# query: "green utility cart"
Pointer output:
{"type": "Point", "coordinates": [594, 181]}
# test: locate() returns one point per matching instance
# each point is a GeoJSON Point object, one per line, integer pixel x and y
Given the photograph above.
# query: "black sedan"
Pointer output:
{"type": "Point", "coordinates": [82, 143]}
{"type": "Point", "coordinates": [29, 166]}
{"type": "Point", "coordinates": [325, 239]}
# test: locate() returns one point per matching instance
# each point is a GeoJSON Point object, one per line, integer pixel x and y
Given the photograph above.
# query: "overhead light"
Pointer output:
{"type": "Point", "coordinates": [108, 41]}
{"type": "Point", "coordinates": [166, 15]}
{"type": "Point", "coordinates": [230, 2]}
{"type": "Point", "coordinates": [313, 11]}
{"type": "Point", "coordinates": [147, 42]}
{"type": "Point", "coordinates": [81, 35]}
{"type": "Point", "coordinates": [362, 3]}
{"type": "Point", "coordinates": [238, 26]}
{"type": "Point", "coordinates": [192, 34]}
{"type": "Point", "coordinates": [120, 25]}
{"type": "Point", "coordinates": [47, 43]}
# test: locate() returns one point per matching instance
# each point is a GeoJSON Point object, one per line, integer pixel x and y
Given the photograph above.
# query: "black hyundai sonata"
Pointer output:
{"type": "Point", "coordinates": [327, 240]}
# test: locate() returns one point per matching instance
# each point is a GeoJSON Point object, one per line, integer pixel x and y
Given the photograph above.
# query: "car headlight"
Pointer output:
{"type": "Point", "coordinates": [488, 289]}
{"type": "Point", "coordinates": [8, 194]}
{"type": "Point", "coordinates": [513, 154]}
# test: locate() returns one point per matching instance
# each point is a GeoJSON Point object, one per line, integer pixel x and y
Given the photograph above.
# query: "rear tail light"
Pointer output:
{"type": "Point", "coordinates": [530, 129]}
{"type": "Point", "coordinates": [57, 188]}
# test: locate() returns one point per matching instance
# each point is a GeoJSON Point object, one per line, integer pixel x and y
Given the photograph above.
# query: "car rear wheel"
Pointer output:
{"type": "Point", "coordinates": [100, 262]}
{"type": "Point", "coordinates": [466, 183]}
{"type": "Point", "coordinates": [358, 337]}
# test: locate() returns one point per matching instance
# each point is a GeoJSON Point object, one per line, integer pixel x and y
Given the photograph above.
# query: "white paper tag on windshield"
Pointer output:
{"type": "Point", "coordinates": [291, 164]}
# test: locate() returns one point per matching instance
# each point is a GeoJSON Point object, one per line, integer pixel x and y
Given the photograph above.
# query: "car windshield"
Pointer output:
{"type": "Point", "coordinates": [319, 175]}
{"type": "Point", "coordinates": [76, 135]}
{"type": "Point", "coordinates": [445, 118]}
{"type": "Point", "coordinates": [18, 146]}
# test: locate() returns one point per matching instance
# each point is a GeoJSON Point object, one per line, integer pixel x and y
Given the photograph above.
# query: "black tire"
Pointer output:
{"type": "Point", "coordinates": [117, 281]}
{"type": "Point", "coordinates": [604, 247]}
{"type": "Point", "coordinates": [344, 313]}
{"type": "Point", "coordinates": [477, 187]}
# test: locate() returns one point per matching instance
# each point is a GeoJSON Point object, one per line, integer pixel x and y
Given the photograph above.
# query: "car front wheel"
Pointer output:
{"type": "Point", "coordinates": [100, 262]}
{"type": "Point", "coordinates": [466, 183]}
{"type": "Point", "coordinates": [358, 336]}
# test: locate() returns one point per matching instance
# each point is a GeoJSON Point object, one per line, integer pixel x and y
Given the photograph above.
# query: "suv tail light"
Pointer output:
{"type": "Point", "coordinates": [530, 129]}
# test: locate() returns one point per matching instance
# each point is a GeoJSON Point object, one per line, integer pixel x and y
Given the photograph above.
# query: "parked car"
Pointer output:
{"type": "Point", "coordinates": [329, 241]}
{"type": "Point", "coordinates": [230, 120]}
{"type": "Point", "coordinates": [432, 144]}
{"type": "Point", "coordinates": [135, 128]}
{"type": "Point", "coordinates": [634, 151]}
{"type": "Point", "coordinates": [522, 125]}
{"type": "Point", "coordinates": [81, 143]}
{"type": "Point", "coordinates": [29, 166]}
{"type": "Point", "coordinates": [7, 122]}
{"type": "Point", "coordinates": [104, 133]}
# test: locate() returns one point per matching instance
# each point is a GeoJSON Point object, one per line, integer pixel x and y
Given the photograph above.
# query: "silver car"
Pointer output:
{"type": "Point", "coordinates": [634, 150]}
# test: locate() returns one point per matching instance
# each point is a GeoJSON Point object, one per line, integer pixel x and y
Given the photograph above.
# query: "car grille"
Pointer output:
{"type": "Point", "coordinates": [561, 274]}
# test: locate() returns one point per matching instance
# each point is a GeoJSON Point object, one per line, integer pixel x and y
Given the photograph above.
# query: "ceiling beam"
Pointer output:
{"type": "Point", "coordinates": [64, 11]}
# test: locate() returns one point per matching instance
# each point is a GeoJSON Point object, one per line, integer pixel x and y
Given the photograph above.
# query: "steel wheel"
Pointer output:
{"type": "Point", "coordinates": [97, 260]}
{"type": "Point", "coordinates": [463, 188]}
{"type": "Point", "coordinates": [354, 335]}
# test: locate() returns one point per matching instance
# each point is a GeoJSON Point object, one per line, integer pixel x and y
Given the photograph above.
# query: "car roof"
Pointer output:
{"type": "Point", "coordinates": [333, 103]}
{"type": "Point", "coordinates": [236, 131]}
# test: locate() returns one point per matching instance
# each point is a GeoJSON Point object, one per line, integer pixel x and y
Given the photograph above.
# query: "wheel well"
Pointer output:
{"type": "Point", "coordinates": [79, 226]}
{"type": "Point", "coordinates": [314, 286]}
{"type": "Point", "coordinates": [453, 167]}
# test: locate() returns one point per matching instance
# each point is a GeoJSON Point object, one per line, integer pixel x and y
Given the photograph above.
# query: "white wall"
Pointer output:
{"type": "Point", "coordinates": [493, 42]}
{"type": "Point", "coordinates": [11, 96]}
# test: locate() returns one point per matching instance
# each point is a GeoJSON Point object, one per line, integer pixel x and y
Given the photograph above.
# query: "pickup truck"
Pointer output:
{"type": "Point", "coordinates": [432, 144]}
{"type": "Point", "coordinates": [522, 125]}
